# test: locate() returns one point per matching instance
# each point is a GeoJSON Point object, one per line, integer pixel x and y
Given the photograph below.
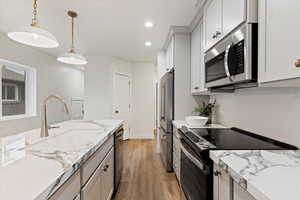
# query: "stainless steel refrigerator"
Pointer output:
{"type": "Point", "coordinates": [166, 118]}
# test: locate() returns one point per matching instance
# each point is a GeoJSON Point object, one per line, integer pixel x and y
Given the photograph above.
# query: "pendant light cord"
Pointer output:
{"type": "Point", "coordinates": [34, 12]}
{"type": "Point", "coordinates": [72, 47]}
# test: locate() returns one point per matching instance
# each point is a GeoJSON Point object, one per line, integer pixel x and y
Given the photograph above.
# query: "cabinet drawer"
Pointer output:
{"type": "Point", "coordinates": [94, 161]}
{"type": "Point", "coordinates": [92, 189]}
{"type": "Point", "coordinates": [69, 190]}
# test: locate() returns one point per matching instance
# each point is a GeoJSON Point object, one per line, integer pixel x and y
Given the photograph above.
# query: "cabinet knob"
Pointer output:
{"type": "Point", "coordinates": [217, 173]}
{"type": "Point", "coordinates": [297, 63]}
{"type": "Point", "coordinates": [218, 33]}
{"type": "Point", "coordinates": [105, 168]}
{"type": "Point", "coordinates": [196, 88]}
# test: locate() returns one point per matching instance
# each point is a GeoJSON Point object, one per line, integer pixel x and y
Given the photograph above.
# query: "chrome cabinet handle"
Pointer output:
{"type": "Point", "coordinates": [226, 62]}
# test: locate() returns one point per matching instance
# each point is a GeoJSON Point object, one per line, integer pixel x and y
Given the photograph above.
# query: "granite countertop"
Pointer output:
{"type": "Point", "coordinates": [46, 163]}
{"type": "Point", "coordinates": [266, 175]}
{"type": "Point", "coordinates": [179, 123]}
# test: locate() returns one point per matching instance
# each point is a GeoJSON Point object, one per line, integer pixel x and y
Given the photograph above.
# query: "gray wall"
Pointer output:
{"type": "Point", "coordinates": [271, 112]}
{"type": "Point", "coordinates": [52, 78]}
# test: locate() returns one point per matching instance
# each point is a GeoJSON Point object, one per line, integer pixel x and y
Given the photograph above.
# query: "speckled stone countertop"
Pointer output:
{"type": "Point", "coordinates": [48, 162]}
{"type": "Point", "coordinates": [266, 175]}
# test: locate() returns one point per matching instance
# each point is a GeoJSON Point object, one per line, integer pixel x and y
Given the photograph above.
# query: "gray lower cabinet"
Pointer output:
{"type": "Point", "coordinates": [69, 190]}
{"type": "Point", "coordinates": [94, 180]}
{"type": "Point", "coordinates": [91, 191]}
{"type": "Point", "coordinates": [107, 176]}
{"type": "Point", "coordinates": [227, 189]}
{"type": "Point", "coordinates": [101, 185]}
{"type": "Point", "coordinates": [240, 194]}
{"type": "Point", "coordinates": [222, 184]}
{"type": "Point", "coordinates": [176, 153]}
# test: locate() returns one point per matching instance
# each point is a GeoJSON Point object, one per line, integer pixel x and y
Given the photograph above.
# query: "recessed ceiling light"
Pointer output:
{"type": "Point", "coordinates": [148, 43]}
{"type": "Point", "coordinates": [148, 24]}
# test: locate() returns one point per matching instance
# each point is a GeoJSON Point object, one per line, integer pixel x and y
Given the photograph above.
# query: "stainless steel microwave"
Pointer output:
{"type": "Point", "coordinates": [234, 59]}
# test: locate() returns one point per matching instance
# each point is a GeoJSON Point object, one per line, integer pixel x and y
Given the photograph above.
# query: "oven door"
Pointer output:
{"type": "Point", "coordinates": [195, 177]}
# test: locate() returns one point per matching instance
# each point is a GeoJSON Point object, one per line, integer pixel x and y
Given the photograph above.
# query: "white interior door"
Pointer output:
{"type": "Point", "coordinates": [122, 101]}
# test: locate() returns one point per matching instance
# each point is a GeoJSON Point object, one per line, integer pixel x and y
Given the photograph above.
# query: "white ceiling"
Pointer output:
{"type": "Point", "coordinates": [104, 27]}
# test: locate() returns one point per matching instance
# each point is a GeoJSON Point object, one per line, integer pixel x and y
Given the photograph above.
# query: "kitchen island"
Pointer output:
{"type": "Point", "coordinates": [48, 163]}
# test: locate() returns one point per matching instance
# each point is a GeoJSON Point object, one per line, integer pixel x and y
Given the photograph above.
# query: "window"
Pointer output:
{"type": "Point", "coordinates": [10, 92]}
{"type": "Point", "coordinates": [18, 90]}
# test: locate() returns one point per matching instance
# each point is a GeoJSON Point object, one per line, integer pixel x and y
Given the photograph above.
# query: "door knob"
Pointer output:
{"type": "Point", "coordinates": [116, 111]}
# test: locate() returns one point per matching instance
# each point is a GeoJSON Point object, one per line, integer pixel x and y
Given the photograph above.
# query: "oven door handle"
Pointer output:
{"type": "Point", "coordinates": [226, 65]}
{"type": "Point", "coordinates": [194, 160]}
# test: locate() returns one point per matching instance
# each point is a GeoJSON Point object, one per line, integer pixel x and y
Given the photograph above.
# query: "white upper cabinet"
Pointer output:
{"type": "Point", "coordinates": [278, 40]}
{"type": "Point", "coordinates": [197, 61]}
{"type": "Point", "coordinates": [170, 55]}
{"type": "Point", "coordinates": [234, 13]}
{"type": "Point", "coordinates": [223, 16]}
{"type": "Point", "coordinates": [161, 63]}
{"type": "Point", "coordinates": [213, 26]}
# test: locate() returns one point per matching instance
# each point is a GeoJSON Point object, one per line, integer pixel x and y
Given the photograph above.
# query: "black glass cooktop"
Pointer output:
{"type": "Point", "coordinates": [235, 139]}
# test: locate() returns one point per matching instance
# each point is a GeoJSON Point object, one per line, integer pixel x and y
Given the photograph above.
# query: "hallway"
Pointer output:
{"type": "Point", "coordinates": [144, 177]}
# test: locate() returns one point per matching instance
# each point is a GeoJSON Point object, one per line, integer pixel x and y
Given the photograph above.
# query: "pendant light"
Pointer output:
{"type": "Point", "coordinates": [34, 35]}
{"type": "Point", "coordinates": [72, 57]}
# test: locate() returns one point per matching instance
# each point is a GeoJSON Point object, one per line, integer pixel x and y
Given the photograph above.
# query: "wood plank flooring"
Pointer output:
{"type": "Point", "coordinates": [144, 177]}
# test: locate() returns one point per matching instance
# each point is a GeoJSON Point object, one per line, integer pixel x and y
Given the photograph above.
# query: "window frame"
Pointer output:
{"type": "Point", "coordinates": [30, 91]}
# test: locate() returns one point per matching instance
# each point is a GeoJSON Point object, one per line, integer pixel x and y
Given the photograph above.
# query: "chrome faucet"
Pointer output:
{"type": "Point", "coordinates": [45, 127]}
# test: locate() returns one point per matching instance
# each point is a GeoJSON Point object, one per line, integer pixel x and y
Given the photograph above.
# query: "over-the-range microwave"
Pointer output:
{"type": "Point", "coordinates": [233, 60]}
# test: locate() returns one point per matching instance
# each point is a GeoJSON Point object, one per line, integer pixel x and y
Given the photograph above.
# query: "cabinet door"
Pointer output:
{"type": "Point", "coordinates": [240, 194]}
{"type": "Point", "coordinates": [222, 185]}
{"type": "Point", "coordinates": [234, 13]}
{"type": "Point", "coordinates": [107, 176]}
{"type": "Point", "coordinates": [197, 61]}
{"type": "Point", "coordinates": [212, 17]}
{"type": "Point", "coordinates": [69, 190]}
{"type": "Point", "coordinates": [279, 34]}
{"type": "Point", "coordinates": [92, 191]}
{"type": "Point", "coordinates": [170, 55]}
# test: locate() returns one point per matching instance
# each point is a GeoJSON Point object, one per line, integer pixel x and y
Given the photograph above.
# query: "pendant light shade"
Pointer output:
{"type": "Point", "coordinates": [33, 35]}
{"type": "Point", "coordinates": [72, 57]}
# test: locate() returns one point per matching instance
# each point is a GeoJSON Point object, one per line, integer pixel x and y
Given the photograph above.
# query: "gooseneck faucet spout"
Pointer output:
{"type": "Point", "coordinates": [45, 127]}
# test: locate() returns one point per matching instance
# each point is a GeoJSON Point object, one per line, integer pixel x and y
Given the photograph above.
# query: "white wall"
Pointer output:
{"type": "Point", "coordinates": [99, 85]}
{"type": "Point", "coordinates": [52, 78]}
{"type": "Point", "coordinates": [270, 112]}
{"type": "Point", "coordinates": [143, 95]}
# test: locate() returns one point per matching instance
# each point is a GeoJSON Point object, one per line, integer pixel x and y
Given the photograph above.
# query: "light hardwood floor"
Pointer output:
{"type": "Point", "coordinates": [144, 177]}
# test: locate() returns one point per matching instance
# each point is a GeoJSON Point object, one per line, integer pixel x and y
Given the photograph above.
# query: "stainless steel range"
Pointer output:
{"type": "Point", "coordinates": [196, 175]}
